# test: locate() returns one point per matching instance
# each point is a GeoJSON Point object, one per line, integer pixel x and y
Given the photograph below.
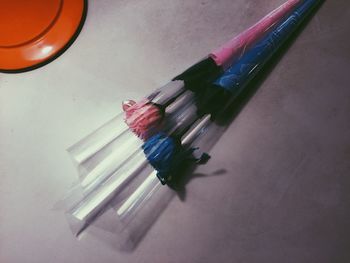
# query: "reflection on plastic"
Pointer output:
{"type": "Point", "coordinates": [236, 47]}
{"type": "Point", "coordinates": [238, 75]}
{"type": "Point", "coordinates": [93, 203]}
{"type": "Point", "coordinates": [142, 194]}
{"type": "Point", "coordinates": [91, 144]}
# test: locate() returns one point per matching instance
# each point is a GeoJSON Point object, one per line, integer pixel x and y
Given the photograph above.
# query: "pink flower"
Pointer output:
{"type": "Point", "coordinates": [143, 118]}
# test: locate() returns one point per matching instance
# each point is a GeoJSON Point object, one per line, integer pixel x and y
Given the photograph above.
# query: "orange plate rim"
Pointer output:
{"type": "Point", "coordinates": [62, 48]}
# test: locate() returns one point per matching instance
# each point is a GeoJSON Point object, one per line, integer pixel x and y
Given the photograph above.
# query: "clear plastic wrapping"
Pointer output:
{"type": "Point", "coordinates": [120, 190]}
{"type": "Point", "coordinates": [103, 152]}
{"type": "Point", "coordinates": [131, 185]}
{"type": "Point", "coordinates": [98, 139]}
{"type": "Point", "coordinates": [133, 196]}
{"type": "Point", "coordinates": [115, 166]}
{"type": "Point", "coordinates": [137, 213]}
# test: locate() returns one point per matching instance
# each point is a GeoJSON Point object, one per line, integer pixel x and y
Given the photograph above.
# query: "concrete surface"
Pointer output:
{"type": "Point", "coordinates": [285, 196]}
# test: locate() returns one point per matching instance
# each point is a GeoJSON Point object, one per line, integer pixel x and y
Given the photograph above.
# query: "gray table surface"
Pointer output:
{"type": "Point", "coordinates": [285, 194]}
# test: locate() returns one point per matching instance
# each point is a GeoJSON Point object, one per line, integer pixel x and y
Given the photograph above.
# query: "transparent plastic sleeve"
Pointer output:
{"type": "Point", "coordinates": [85, 151]}
{"type": "Point", "coordinates": [121, 176]}
{"type": "Point", "coordinates": [137, 213]}
{"type": "Point", "coordinates": [113, 167]}
{"type": "Point", "coordinates": [104, 151]}
{"type": "Point", "coordinates": [91, 144]}
{"type": "Point", "coordinates": [236, 47]}
{"type": "Point", "coordinates": [93, 203]}
{"type": "Point", "coordinates": [238, 75]}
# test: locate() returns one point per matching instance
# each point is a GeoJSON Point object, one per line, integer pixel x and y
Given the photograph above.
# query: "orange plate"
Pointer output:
{"type": "Point", "coordinates": [34, 32]}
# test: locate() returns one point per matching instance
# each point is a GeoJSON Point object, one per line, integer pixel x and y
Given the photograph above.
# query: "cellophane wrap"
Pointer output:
{"type": "Point", "coordinates": [115, 168]}
{"type": "Point", "coordinates": [236, 47]}
{"type": "Point", "coordinates": [237, 76]}
{"type": "Point", "coordinates": [120, 197]}
{"type": "Point", "coordinates": [134, 208]}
